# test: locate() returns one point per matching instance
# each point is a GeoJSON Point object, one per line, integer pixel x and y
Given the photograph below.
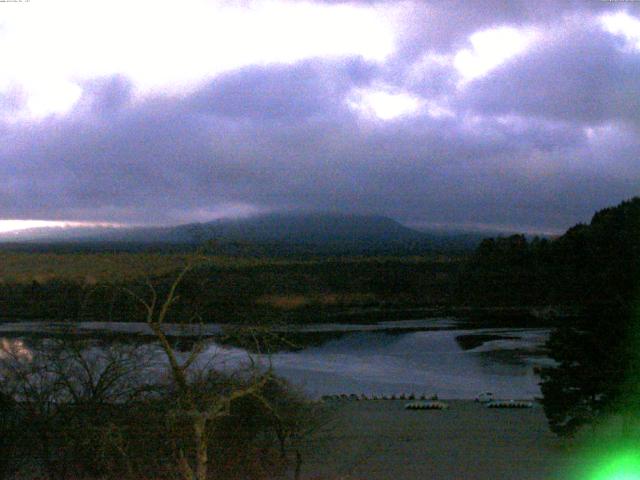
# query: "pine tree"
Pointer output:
{"type": "Point", "coordinates": [597, 356]}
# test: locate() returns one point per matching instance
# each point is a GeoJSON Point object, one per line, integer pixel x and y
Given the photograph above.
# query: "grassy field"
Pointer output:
{"type": "Point", "coordinates": [25, 267]}
{"type": "Point", "coordinates": [42, 267]}
{"type": "Point", "coordinates": [89, 286]}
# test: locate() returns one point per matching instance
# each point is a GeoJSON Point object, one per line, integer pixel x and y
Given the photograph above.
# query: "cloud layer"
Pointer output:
{"type": "Point", "coordinates": [545, 130]}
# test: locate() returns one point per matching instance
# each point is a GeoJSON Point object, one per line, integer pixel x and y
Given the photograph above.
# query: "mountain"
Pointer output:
{"type": "Point", "coordinates": [313, 228]}
{"type": "Point", "coordinates": [274, 232]}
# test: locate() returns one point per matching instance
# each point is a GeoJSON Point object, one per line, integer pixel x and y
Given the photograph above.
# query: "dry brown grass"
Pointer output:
{"type": "Point", "coordinates": [89, 268]}
{"type": "Point", "coordinates": [96, 267]}
{"type": "Point", "coordinates": [293, 302]}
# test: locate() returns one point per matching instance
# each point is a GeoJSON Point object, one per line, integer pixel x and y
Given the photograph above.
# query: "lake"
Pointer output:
{"type": "Point", "coordinates": [432, 356]}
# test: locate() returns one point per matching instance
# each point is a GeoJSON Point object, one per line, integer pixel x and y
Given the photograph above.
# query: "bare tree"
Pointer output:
{"type": "Point", "coordinates": [64, 393]}
{"type": "Point", "coordinates": [202, 411]}
{"type": "Point", "coordinates": [297, 422]}
{"type": "Point", "coordinates": [92, 409]}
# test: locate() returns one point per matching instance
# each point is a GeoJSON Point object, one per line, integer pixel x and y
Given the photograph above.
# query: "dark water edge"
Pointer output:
{"type": "Point", "coordinates": [280, 339]}
{"type": "Point", "coordinates": [385, 358]}
{"type": "Point", "coordinates": [294, 337]}
{"type": "Point", "coordinates": [485, 316]}
{"type": "Point", "coordinates": [471, 341]}
{"type": "Point", "coordinates": [282, 343]}
{"type": "Point", "coordinates": [259, 340]}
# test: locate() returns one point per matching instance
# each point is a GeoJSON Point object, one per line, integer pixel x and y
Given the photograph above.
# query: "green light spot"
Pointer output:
{"type": "Point", "coordinates": [623, 466]}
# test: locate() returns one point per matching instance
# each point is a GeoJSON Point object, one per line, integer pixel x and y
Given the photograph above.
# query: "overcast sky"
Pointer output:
{"type": "Point", "coordinates": [510, 114]}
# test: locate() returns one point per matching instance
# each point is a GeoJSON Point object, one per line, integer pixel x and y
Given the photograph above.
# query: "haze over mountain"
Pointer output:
{"type": "Point", "coordinates": [494, 113]}
{"type": "Point", "coordinates": [319, 231]}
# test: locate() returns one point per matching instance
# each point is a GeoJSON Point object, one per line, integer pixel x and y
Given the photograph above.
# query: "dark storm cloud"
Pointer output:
{"type": "Point", "coordinates": [583, 75]}
{"type": "Point", "coordinates": [543, 140]}
{"type": "Point", "coordinates": [142, 164]}
{"type": "Point", "coordinates": [104, 95]}
{"type": "Point", "coordinates": [282, 91]}
{"type": "Point", "coordinates": [113, 166]}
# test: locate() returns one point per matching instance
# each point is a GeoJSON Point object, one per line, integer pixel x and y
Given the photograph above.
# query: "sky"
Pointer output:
{"type": "Point", "coordinates": [492, 114]}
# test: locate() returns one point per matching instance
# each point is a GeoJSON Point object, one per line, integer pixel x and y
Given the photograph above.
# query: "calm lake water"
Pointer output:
{"type": "Point", "coordinates": [431, 356]}
{"type": "Point", "coordinates": [430, 362]}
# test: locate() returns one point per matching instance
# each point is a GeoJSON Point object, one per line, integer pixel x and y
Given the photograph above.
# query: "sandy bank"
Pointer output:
{"type": "Point", "coordinates": [381, 440]}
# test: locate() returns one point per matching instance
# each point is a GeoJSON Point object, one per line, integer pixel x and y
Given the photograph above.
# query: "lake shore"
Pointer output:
{"type": "Point", "coordinates": [424, 356]}
{"type": "Point", "coordinates": [381, 440]}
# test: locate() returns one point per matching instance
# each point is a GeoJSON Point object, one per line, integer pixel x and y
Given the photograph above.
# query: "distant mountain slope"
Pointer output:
{"type": "Point", "coordinates": [316, 228]}
{"type": "Point", "coordinates": [318, 232]}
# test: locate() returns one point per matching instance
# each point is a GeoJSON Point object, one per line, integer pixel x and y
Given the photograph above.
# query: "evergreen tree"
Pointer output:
{"type": "Point", "coordinates": [597, 371]}
{"type": "Point", "coordinates": [598, 355]}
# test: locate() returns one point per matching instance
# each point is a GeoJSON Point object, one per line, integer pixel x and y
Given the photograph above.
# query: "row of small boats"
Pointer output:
{"type": "Point", "coordinates": [435, 405]}
{"type": "Point", "coordinates": [362, 396]}
{"type": "Point", "coordinates": [426, 405]}
{"type": "Point", "coordinates": [424, 402]}
{"type": "Point", "coordinates": [509, 404]}
{"type": "Point", "coordinates": [488, 400]}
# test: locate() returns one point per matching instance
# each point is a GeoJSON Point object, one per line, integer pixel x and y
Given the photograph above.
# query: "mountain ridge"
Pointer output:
{"type": "Point", "coordinates": [321, 231]}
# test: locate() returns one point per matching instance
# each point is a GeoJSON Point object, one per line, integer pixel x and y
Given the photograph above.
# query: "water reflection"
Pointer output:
{"type": "Point", "coordinates": [421, 362]}
{"type": "Point", "coordinates": [383, 362]}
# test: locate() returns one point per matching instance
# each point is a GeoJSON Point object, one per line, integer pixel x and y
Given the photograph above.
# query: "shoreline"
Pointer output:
{"type": "Point", "coordinates": [371, 440]}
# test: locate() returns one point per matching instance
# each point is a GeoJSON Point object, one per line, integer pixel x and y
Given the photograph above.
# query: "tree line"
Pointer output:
{"type": "Point", "coordinates": [240, 294]}
{"type": "Point", "coordinates": [594, 271]}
